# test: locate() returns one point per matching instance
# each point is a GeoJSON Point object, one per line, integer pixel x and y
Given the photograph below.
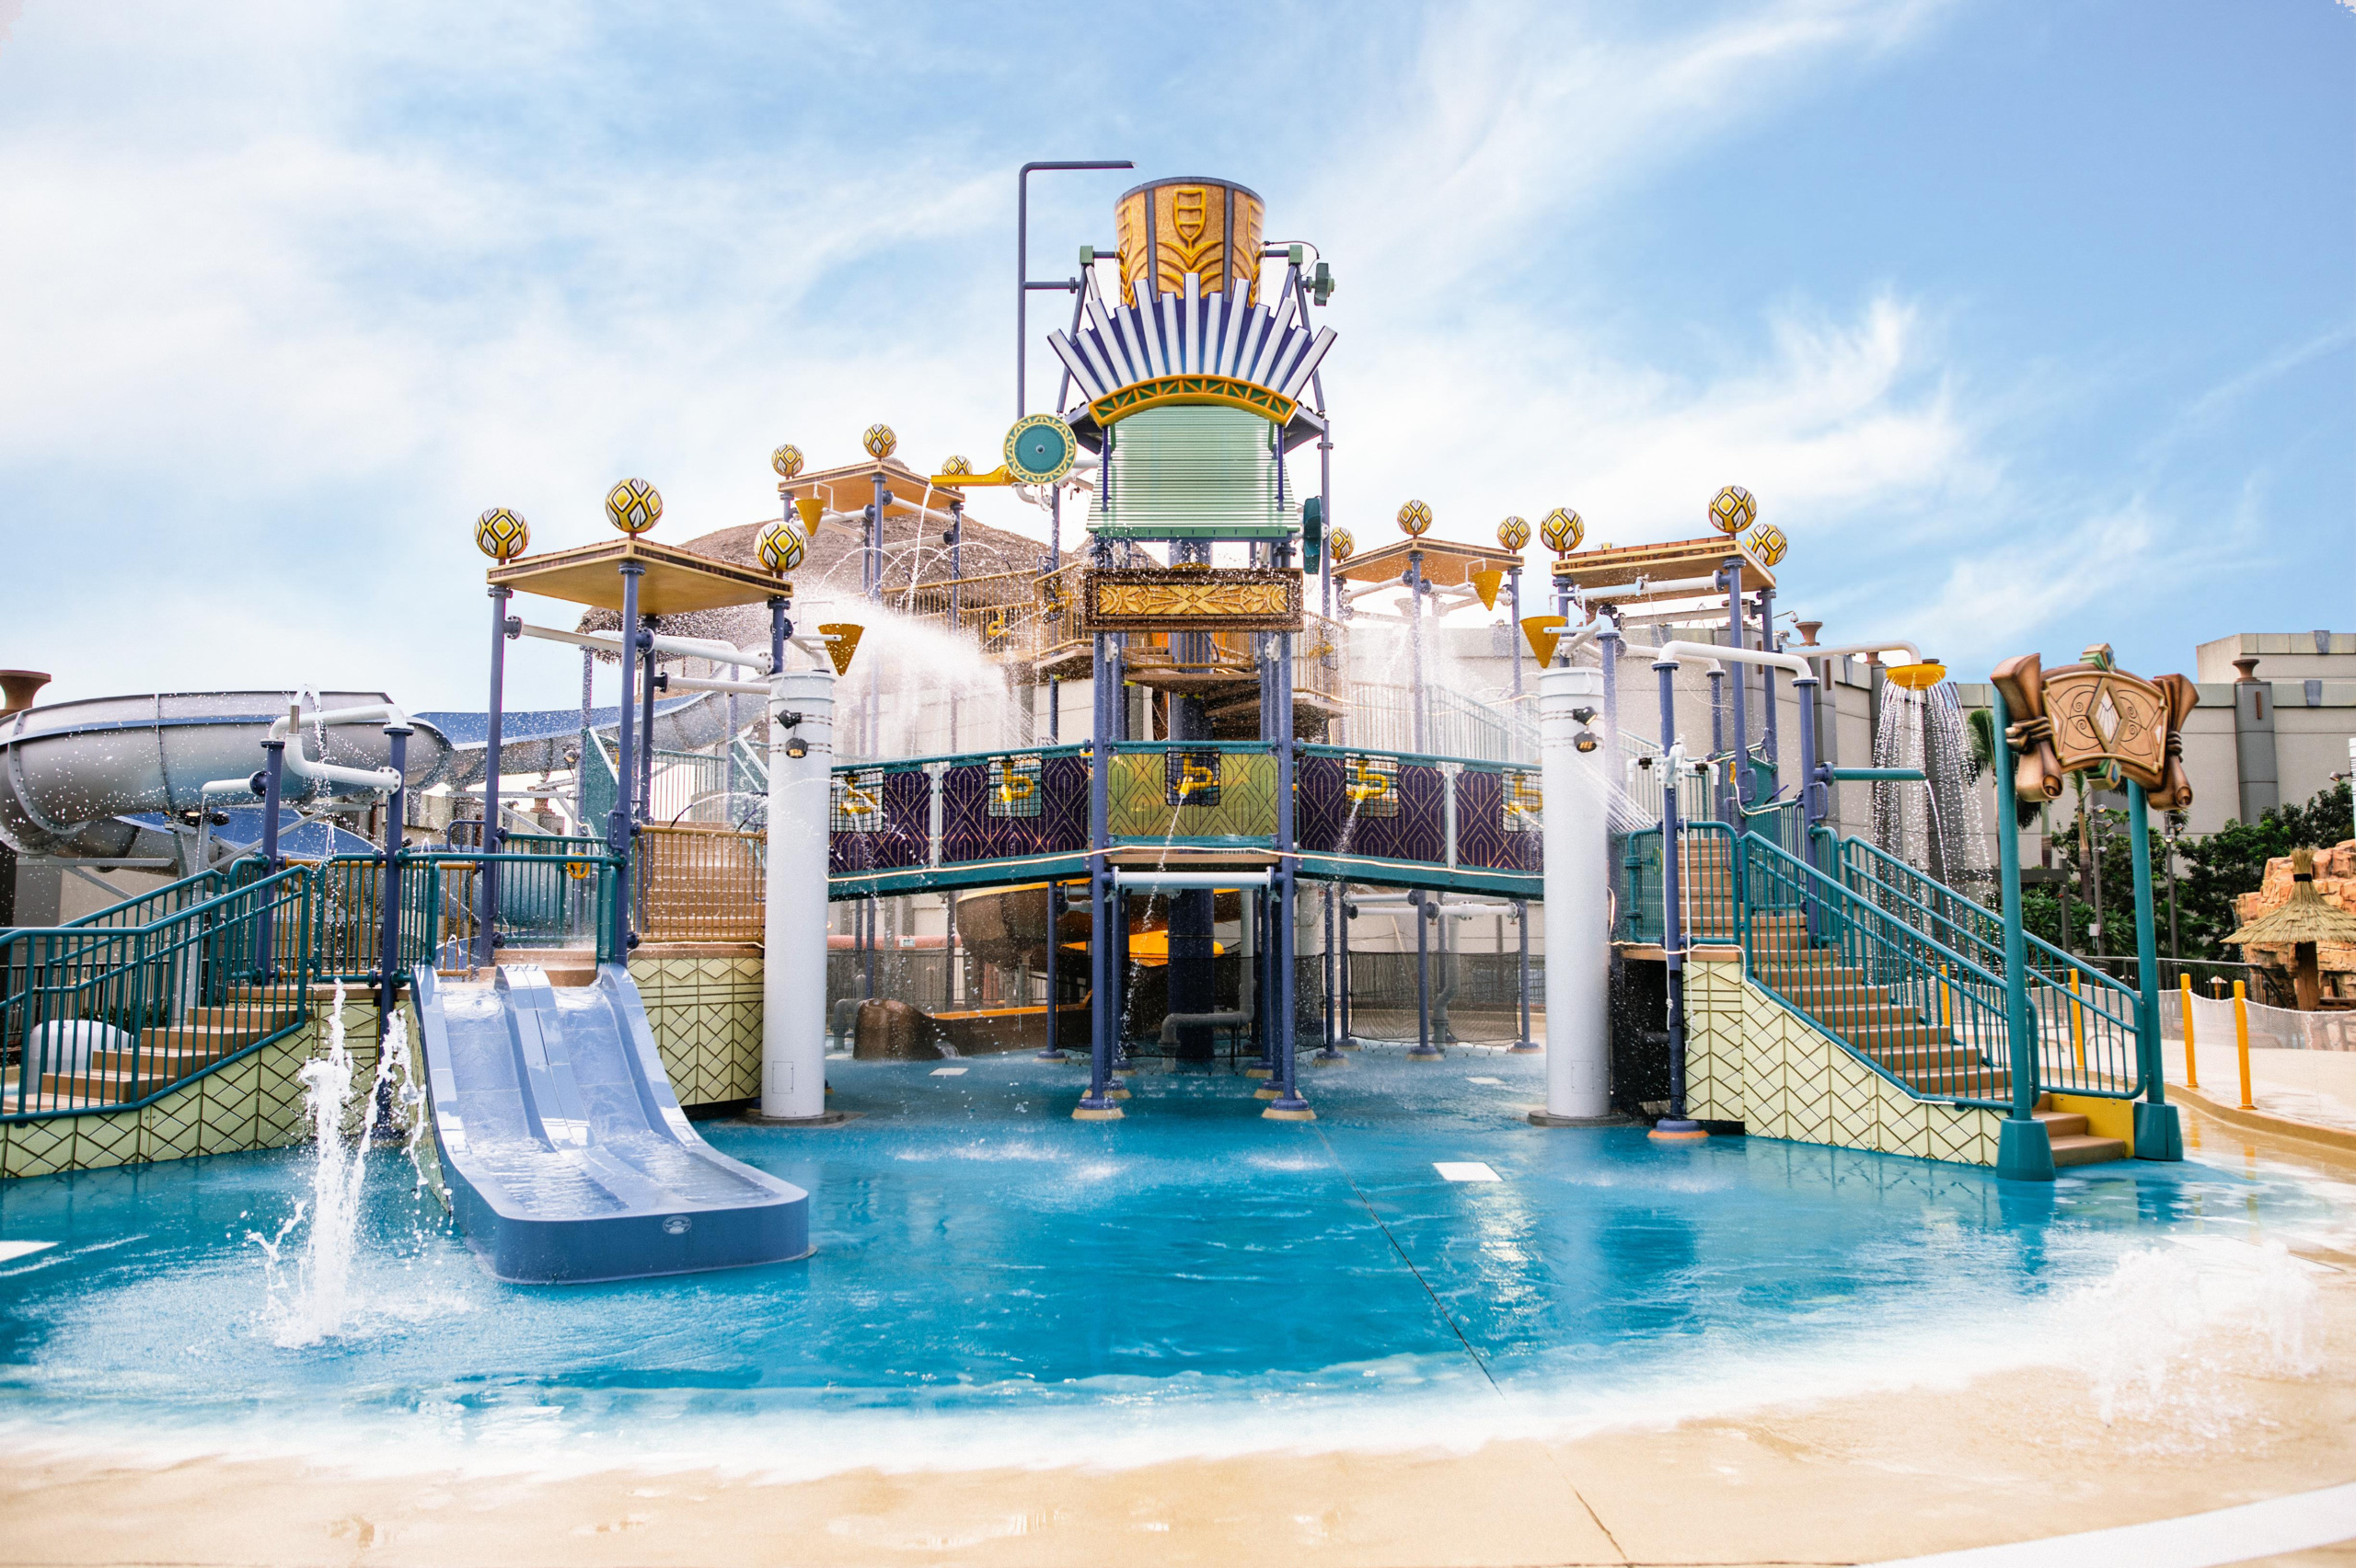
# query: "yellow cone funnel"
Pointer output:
{"type": "Point", "coordinates": [842, 641]}
{"type": "Point", "coordinates": [1487, 582]}
{"type": "Point", "coordinates": [1918, 678]}
{"type": "Point", "coordinates": [812, 508]}
{"type": "Point", "coordinates": [1543, 633]}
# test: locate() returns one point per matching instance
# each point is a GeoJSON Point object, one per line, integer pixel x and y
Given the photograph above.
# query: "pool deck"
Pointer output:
{"type": "Point", "coordinates": [1859, 1478]}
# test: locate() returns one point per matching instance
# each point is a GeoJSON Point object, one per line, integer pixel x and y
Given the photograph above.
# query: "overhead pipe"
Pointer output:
{"type": "Point", "coordinates": [676, 647]}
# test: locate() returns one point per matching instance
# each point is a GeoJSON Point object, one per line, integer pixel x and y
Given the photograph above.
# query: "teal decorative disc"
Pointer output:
{"type": "Point", "coordinates": [1040, 450]}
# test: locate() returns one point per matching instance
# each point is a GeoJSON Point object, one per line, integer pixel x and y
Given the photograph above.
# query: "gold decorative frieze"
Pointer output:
{"type": "Point", "coordinates": [1164, 390]}
{"type": "Point", "coordinates": [1189, 598]}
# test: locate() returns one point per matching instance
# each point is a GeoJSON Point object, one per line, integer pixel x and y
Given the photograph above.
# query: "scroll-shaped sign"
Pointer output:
{"type": "Point", "coordinates": [2094, 718]}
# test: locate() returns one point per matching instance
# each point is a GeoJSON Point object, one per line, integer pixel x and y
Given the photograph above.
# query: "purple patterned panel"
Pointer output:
{"type": "Point", "coordinates": [1489, 835]}
{"type": "Point", "coordinates": [901, 809]}
{"type": "Point", "coordinates": [1329, 822]}
{"type": "Point", "coordinates": [1013, 807]}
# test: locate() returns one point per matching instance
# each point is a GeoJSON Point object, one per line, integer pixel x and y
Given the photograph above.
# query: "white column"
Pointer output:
{"type": "Point", "coordinates": [793, 968]}
{"type": "Point", "coordinates": [1579, 956]}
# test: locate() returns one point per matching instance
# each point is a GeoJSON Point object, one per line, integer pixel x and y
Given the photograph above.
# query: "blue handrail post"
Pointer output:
{"type": "Point", "coordinates": [1673, 933]}
{"type": "Point", "coordinates": [2158, 1134]}
{"type": "Point", "coordinates": [273, 775]}
{"type": "Point", "coordinates": [2024, 1152]}
{"type": "Point", "coordinates": [388, 935]}
{"type": "Point", "coordinates": [1811, 790]}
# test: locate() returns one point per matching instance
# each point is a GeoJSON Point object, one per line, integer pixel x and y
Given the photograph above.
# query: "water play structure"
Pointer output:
{"type": "Point", "coordinates": [1278, 747]}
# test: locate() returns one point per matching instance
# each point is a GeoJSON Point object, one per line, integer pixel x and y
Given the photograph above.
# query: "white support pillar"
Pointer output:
{"type": "Point", "coordinates": [1578, 953]}
{"type": "Point", "coordinates": [793, 968]}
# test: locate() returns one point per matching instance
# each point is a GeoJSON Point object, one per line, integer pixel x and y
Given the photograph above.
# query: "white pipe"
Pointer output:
{"type": "Point", "coordinates": [1646, 650]}
{"type": "Point", "coordinates": [695, 683]}
{"type": "Point", "coordinates": [1185, 881]}
{"type": "Point", "coordinates": [1171, 1021]}
{"type": "Point", "coordinates": [383, 779]}
{"type": "Point", "coordinates": [1814, 650]}
{"type": "Point", "coordinates": [676, 647]}
{"type": "Point", "coordinates": [1680, 587]}
{"type": "Point", "coordinates": [1790, 662]}
{"type": "Point", "coordinates": [1401, 907]}
{"type": "Point", "coordinates": [793, 928]}
{"type": "Point", "coordinates": [1579, 952]}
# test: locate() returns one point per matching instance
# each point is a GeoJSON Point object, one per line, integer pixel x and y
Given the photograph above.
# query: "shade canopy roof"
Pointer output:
{"type": "Point", "coordinates": [673, 582]}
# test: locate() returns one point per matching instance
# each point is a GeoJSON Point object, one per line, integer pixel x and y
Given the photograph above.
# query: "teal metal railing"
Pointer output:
{"type": "Point", "coordinates": [2085, 1019]}
{"type": "Point", "coordinates": [147, 907]}
{"type": "Point", "coordinates": [1919, 1012]}
{"type": "Point", "coordinates": [105, 1016]}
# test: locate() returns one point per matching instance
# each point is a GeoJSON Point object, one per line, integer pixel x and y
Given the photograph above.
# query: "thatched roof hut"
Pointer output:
{"type": "Point", "coordinates": [2299, 922]}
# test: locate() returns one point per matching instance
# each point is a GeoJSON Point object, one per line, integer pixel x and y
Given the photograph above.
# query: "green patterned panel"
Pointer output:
{"type": "Point", "coordinates": [1244, 792]}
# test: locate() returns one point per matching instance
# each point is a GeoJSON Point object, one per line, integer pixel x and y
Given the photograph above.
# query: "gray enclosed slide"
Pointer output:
{"type": "Point", "coordinates": [567, 1156]}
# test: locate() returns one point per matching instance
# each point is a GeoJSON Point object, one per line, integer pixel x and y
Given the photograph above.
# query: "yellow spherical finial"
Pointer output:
{"type": "Point", "coordinates": [780, 548]}
{"type": "Point", "coordinates": [1340, 544]}
{"type": "Point", "coordinates": [879, 441]}
{"type": "Point", "coordinates": [1562, 531]}
{"type": "Point", "coordinates": [1415, 518]}
{"type": "Point", "coordinates": [502, 535]}
{"type": "Point", "coordinates": [1767, 542]}
{"type": "Point", "coordinates": [1513, 533]}
{"type": "Point", "coordinates": [634, 506]}
{"type": "Point", "coordinates": [786, 460]}
{"type": "Point", "coordinates": [1733, 511]}
{"type": "Point", "coordinates": [955, 464]}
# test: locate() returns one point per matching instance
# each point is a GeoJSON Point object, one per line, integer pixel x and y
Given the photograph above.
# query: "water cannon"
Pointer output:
{"type": "Point", "coordinates": [1321, 284]}
{"type": "Point", "coordinates": [1312, 533]}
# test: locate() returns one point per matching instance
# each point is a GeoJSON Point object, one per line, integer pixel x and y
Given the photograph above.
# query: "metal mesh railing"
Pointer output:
{"type": "Point", "coordinates": [700, 885]}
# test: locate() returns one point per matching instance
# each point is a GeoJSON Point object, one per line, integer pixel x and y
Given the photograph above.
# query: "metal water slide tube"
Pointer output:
{"type": "Point", "coordinates": [71, 772]}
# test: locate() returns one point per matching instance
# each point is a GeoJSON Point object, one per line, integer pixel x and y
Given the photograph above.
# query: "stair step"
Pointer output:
{"type": "Point", "coordinates": [2062, 1124]}
{"type": "Point", "coordinates": [2083, 1149]}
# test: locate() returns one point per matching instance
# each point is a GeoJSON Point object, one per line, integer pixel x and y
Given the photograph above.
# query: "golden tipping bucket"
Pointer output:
{"type": "Point", "coordinates": [1207, 226]}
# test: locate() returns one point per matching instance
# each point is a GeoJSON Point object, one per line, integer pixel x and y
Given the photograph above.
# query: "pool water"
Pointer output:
{"type": "Point", "coordinates": [995, 1282]}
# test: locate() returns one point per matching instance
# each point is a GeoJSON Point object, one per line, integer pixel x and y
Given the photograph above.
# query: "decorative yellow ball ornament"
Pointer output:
{"type": "Point", "coordinates": [1767, 542]}
{"type": "Point", "coordinates": [879, 441]}
{"type": "Point", "coordinates": [1415, 518]}
{"type": "Point", "coordinates": [1733, 511]}
{"type": "Point", "coordinates": [780, 548]}
{"type": "Point", "coordinates": [1339, 545]}
{"type": "Point", "coordinates": [787, 461]}
{"type": "Point", "coordinates": [954, 464]}
{"type": "Point", "coordinates": [502, 535]}
{"type": "Point", "coordinates": [1562, 531]}
{"type": "Point", "coordinates": [634, 506]}
{"type": "Point", "coordinates": [1513, 533]}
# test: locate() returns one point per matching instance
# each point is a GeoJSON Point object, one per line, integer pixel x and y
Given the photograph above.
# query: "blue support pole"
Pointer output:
{"type": "Point", "coordinates": [1767, 678]}
{"type": "Point", "coordinates": [1672, 926]}
{"type": "Point", "coordinates": [2158, 1134]}
{"type": "Point", "coordinates": [1053, 1050]}
{"type": "Point", "coordinates": [1738, 634]}
{"type": "Point", "coordinates": [2024, 1151]}
{"type": "Point", "coordinates": [1098, 1103]}
{"type": "Point", "coordinates": [621, 823]}
{"type": "Point", "coordinates": [1288, 1105]}
{"type": "Point", "coordinates": [486, 884]}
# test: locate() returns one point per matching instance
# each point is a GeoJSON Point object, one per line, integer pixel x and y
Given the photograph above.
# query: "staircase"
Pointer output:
{"type": "Point", "coordinates": [1920, 1031]}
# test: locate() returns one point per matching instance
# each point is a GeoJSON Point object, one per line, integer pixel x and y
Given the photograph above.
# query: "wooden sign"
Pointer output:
{"type": "Point", "coordinates": [1189, 598]}
{"type": "Point", "coordinates": [2093, 717]}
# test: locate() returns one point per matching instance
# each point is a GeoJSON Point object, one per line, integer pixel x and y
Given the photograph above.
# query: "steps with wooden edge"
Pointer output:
{"type": "Point", "coordinates": [2072, 1143]}
{"type": "Point", "coordinates": [564, 966]}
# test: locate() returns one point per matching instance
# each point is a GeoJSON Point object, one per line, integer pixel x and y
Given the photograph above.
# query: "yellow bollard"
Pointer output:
{"type": "Point", "coordinates": [2077, 1023]}
{"type": "Point", "coordinates": [2241, 1038]}
{"type": "Point", "coordinates": [1946, 1002]}
{"type": "Point", "coordinates": [2191, 1060]}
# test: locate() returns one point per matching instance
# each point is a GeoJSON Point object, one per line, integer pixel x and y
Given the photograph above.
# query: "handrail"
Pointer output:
{"type": "Point", "coordinates": [1894, 995]}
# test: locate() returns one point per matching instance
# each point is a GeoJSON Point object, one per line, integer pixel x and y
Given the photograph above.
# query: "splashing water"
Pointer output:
{"type": "Point", "coordinates": [310, 1297]}
{"type": "Point", "coordinates": [1936, 828]}
{"type": "Point", "coordinates": [2161, 1335]}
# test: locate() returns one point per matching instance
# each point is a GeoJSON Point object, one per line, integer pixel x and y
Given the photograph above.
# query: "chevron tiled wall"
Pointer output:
{"type": "Point", "coordinates": [1750, 1059]}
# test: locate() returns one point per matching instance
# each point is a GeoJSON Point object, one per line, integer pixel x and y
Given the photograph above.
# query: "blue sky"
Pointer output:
{"type": "Point", "coordinates": [2031, 322]}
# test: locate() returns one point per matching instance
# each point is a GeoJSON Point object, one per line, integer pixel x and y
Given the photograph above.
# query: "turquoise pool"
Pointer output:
{"type": "Point", "coordinates": [994, 1282]}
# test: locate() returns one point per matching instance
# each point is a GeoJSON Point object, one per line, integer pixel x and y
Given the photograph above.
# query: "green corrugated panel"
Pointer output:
{"type": "Point", "coordinates": [1192, 473]}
